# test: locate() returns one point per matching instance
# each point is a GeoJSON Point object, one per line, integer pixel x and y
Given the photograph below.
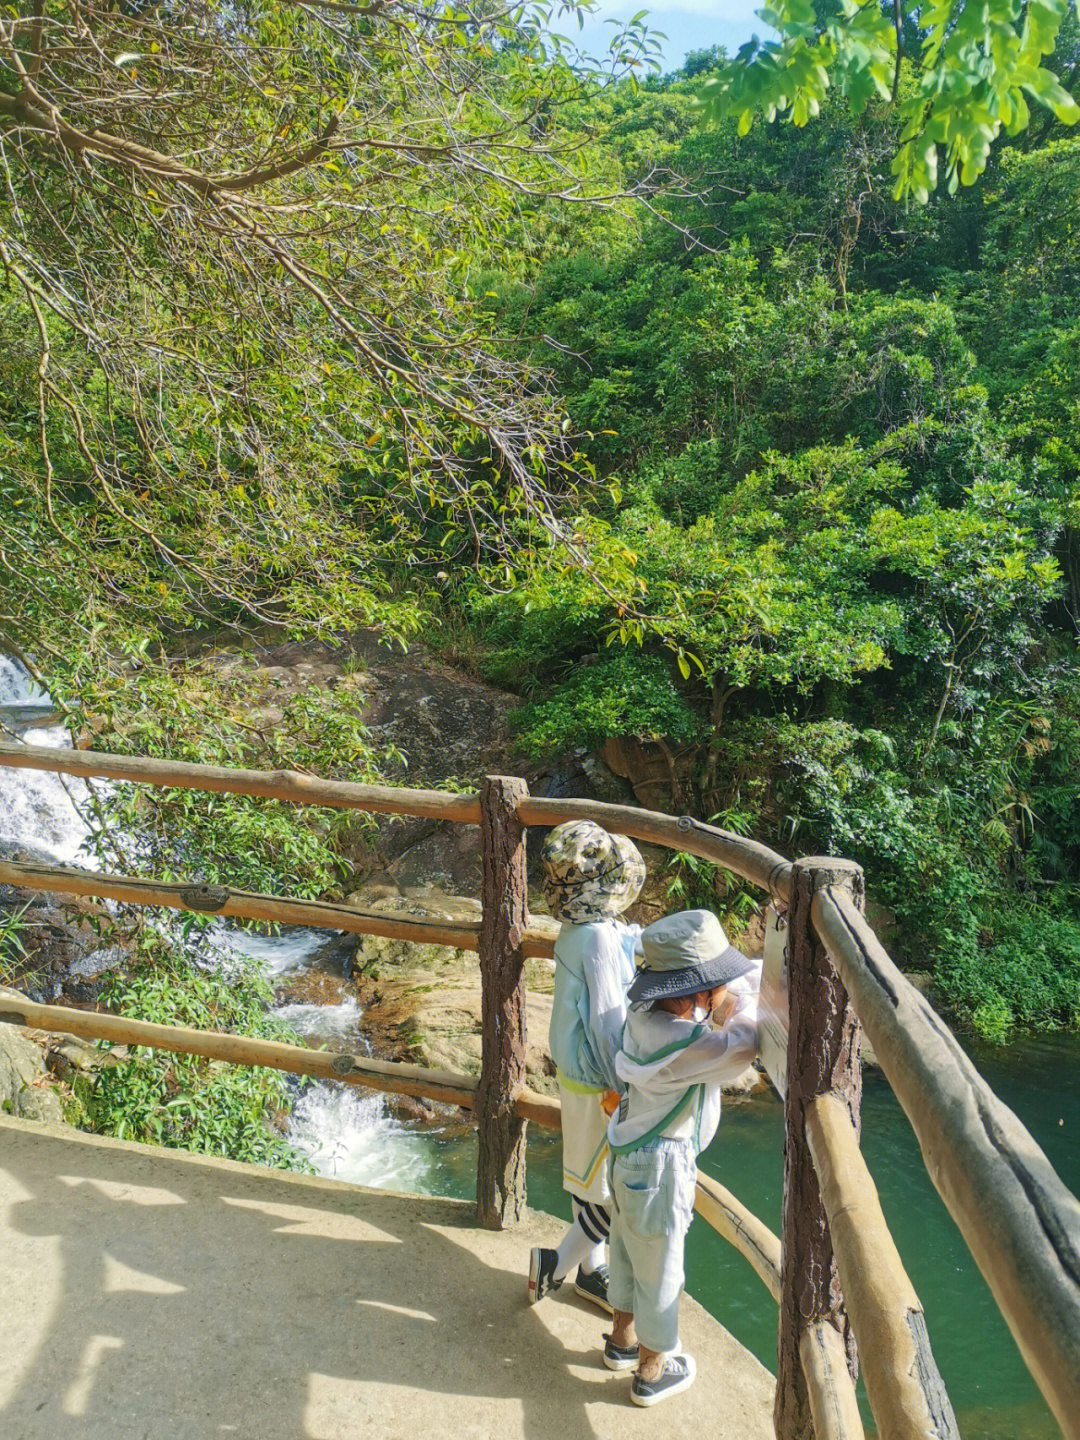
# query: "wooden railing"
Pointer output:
{"type": "Point", "coordinates": [842, 1290]}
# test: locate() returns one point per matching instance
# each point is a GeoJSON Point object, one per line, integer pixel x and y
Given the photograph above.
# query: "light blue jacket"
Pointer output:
{"type": "Point", "coordinates": [594, 965]}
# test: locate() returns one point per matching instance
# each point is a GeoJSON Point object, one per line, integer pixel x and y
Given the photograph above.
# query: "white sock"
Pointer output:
{"type": "Point", "coordinates": [574, 1247]}
{"type": "Point", "coordinates": [596, 1257]}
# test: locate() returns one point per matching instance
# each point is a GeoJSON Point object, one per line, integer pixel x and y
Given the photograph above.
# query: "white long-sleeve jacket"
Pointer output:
{"type": "Point", "coordinates": [674, 1069]}
{"type": "Point", "coordinates": [594, 964]}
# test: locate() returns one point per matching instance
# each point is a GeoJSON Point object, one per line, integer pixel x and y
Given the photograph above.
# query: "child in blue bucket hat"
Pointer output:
{"type": "Point", "coordinates": [589, 878]}
{"type": "Point", "coordinates": [691, 1028]}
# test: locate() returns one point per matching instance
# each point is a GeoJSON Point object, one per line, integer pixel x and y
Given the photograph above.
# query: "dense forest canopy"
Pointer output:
{"type": "Point", "coordinates": [238, 244]}
{"type": "Point", "coordinates": [695, 436]}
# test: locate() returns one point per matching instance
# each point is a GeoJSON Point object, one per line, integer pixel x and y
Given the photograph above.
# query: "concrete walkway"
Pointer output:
{"type": "Point", "coordinates": [151, 1295]}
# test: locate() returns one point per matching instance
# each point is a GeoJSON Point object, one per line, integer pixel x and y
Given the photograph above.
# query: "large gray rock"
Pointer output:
{"type": "Point", "coordinates": [86, 973]}
{"type": "Point", "coordinates": [22, 1071]}
{"type": "Point", "coordinates": [99, 962]}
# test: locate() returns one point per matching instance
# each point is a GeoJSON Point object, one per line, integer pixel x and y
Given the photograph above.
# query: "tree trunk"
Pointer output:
{"type": "Point", "coordinates": [721, 694]}
{"type": "Point", "coordinates": [940, 711]}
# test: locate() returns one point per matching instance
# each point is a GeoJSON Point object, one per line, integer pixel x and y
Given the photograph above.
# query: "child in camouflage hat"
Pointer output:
{"type": "Point", "coordinates": [590, 877]}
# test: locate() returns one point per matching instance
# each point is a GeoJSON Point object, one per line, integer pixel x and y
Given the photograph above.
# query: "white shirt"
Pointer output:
{"type": "Point", "coordinates": [594, 964]}
{"type": "Point", "coordinates": [664, 1059]}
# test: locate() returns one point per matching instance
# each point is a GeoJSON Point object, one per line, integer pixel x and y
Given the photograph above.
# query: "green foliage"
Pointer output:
{"type": "Point", "coordinates": [621, 694]}
{"type": "Point", "coordinates": [964, 75]}
{"type": "Point", "coordinates": [846, 485]}
{"type": "Point", "coordinates": [12, 950]}
{"type": "Point", "coordinates": [782, 480]}
{"type": "Point", "coordinates": [1021, 966]}
{"type": "Point", "coordinates": [692, 883]}
{"type": "Point", "coordinates": [185, 1101]}
{"type": "Point", "coordinates": [202, 712]}
{"type": "Point", "coordinates": [940, 845]}
{"type": "Point", "coordinates": [246, 361]}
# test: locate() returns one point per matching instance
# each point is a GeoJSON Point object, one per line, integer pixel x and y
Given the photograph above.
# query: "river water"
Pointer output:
{"type": "Point", "coordinates": [353, 1135]}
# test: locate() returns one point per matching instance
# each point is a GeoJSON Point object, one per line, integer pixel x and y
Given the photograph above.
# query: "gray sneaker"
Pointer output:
{"type": "Point", "coordinates": [619, 1357]}
{"type": "Point", "coordinates": [677, 1373]}
{"type": "Point", "coordinates": [592, 1285]}
{"type": "Point", "coordinates": [542, 1273]}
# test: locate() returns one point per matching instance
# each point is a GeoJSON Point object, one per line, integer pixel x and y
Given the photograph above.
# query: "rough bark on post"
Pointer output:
{"type": "Point", "coordinates": [500, 1173]}
{"type": "Point", "coordinates": [823, 1055]}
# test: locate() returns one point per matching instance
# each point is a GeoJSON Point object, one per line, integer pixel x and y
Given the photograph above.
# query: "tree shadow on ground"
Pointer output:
{"type": "Point", "coordinates": [155, 1295]}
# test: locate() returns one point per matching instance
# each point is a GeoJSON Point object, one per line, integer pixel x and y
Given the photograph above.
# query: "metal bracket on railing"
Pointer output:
{"type": "Point", "coordinates": [205, 897]}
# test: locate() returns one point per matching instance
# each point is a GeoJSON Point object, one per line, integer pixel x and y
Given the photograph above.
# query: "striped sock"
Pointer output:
{"type": "Point", "coordinates": [595, 1220]}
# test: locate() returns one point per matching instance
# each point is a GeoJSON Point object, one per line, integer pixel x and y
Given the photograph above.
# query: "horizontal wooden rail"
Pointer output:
{"type": "Point", "coordinates": [749, 858]}
{"type": "Point", "coordinates": [753, 1239]}
{"type": "Point", "coordinates": [1019, 1221]}
{"type": "Point", "coordinates": [834, 1404]}
{"type": "Point", "coordinates": [272, 784]}
{"type": "Point", "coordinates": [902, 1380]}
{"type": "Point", "coordinates": [539, 938]}
{"type": "Point", "coordinates": [391, 1076]}
{"type": "Point", "coordinates": [542, 1110]}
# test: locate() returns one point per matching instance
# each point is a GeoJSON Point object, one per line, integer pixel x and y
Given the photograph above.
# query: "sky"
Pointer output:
{"type": "Point", "coordinates": [688, 24]}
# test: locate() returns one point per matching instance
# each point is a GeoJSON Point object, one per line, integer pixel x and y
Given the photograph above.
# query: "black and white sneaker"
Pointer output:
{"type": "Point", "coordinates": [619, 1357]}
{"type": "Point", "coordinates": [592, 1285]}
{"type": "Point", "coordinates": [677, 1373]}
{"type": "Point", "coordinates": [542, 1273]}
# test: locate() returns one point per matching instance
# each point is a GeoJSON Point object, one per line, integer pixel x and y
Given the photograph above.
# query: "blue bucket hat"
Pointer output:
{"type": "Point", "coordinates": [685, 953]}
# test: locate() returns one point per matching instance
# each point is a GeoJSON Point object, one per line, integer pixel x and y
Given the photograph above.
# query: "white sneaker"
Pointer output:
{"type": "Point", "coordinates": [542, 1273]}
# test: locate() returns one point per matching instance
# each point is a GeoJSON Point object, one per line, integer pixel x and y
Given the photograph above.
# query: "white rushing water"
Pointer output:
{"type": "Point", "coordinates": [325, 1022]}
{"type": "Point", "coordinates": [347, 1134]}
{"type": "Point", "coordinates": [293, 948]}
{"type": "Point", "coordinates": [38, 808]}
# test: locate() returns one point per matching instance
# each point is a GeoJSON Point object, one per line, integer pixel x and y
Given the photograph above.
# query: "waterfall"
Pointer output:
{"type": "Point", "coordinates": [38, 809]}
{"type": "Point", "coordinates": [346, 1133]}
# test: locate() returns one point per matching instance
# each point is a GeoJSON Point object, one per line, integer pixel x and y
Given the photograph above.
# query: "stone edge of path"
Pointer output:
{"type": "Point", "coordinates": [168, 1155]}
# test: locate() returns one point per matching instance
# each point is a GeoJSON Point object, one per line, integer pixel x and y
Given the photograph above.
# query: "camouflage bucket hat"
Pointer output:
{"type": "Point", "coordinates": [589, 874]}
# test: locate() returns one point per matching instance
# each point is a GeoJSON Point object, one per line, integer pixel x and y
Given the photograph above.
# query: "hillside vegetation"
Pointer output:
{"type": "Point", "coordinates": [687, 436]}
{"type": "Point", "coordinates": [840, 453]}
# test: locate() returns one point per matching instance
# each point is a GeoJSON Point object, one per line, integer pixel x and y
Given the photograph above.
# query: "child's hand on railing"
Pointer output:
{"type": "Point", "coordinates": [723, 1011]}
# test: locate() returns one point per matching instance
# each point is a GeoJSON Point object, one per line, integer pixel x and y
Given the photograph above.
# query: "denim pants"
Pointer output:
{"type": "Point", "coordinates": [652, 1206]}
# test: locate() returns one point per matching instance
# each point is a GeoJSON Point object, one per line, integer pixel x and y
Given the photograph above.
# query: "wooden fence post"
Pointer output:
{"type": "Point", "coordinates": [823, 1056]}
{"type": "Point", "coordinates": [500, 1171]}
